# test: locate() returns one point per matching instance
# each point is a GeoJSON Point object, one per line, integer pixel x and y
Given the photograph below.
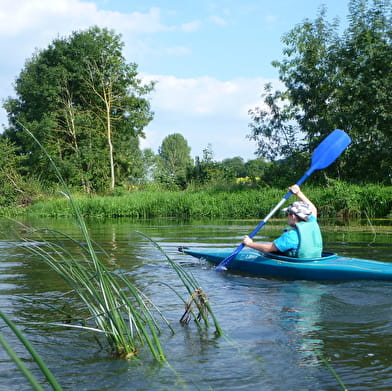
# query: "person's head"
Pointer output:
{"type": "Point", "coordinates": [298, 211]}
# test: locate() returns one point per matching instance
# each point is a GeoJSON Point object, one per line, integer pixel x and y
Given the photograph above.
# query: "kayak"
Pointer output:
{"type": "Point", "coordinates": [330, 266]}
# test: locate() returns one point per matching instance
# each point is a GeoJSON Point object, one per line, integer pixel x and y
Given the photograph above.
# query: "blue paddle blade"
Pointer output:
{"type": "Point", "coordinates": [222, 265]}
{"type": "Point", "coordinates": [330, 149]}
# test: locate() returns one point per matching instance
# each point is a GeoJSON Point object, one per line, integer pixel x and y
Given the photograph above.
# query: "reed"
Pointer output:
{"type": "Point", "coordinates": [36, 358]}
{"type": "Point", "coordinates": [111, 303]}
{"type": "Point", "coordinates": [197, 297]}
{"type": "Point", "coordinates": [333, 372]}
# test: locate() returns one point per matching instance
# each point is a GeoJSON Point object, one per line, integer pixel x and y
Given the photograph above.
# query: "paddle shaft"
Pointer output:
{"type": "Point", "coordinates": [280, 203]}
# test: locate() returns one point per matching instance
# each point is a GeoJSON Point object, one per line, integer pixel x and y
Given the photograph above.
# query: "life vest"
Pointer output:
{"type": "Point", "coordinates": [310, 240]}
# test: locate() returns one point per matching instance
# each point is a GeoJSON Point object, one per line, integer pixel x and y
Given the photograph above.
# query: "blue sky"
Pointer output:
{"type": "Point", "coordinates": [211, 58]}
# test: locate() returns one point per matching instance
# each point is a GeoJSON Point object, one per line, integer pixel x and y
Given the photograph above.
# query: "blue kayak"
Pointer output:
{"type": "Point", "coordinates": [330, 266]}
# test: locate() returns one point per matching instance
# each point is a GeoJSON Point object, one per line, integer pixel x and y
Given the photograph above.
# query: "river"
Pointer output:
{"type": "Point", "coordinates": [276, 333]}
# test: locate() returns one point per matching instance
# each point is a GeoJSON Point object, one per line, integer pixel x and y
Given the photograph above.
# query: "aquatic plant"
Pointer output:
{"type": "Point", "coordinates": [333, 372]}
{"type": "Point", "coordinates": [197, 299]}
{"type": "Point", "coordinates": [111, 303]}
{"type": "Point", "coordinates": [36, 357]}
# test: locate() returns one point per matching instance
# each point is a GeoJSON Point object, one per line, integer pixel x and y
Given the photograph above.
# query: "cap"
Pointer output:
{"type": "Point", "coordinates": [300, 209]}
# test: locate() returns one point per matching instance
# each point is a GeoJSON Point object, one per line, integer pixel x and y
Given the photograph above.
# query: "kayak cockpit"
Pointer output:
{"type": "Point", "coordinates": [326, 256]}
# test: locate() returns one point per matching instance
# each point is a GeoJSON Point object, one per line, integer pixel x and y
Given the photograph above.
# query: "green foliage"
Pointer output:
{"type": "Point", "coordinates": [236, 165]}
{"type": "Point", "coordinates": [334, 81]}
{"type": "Point", "coordinates": [273, 128]}
{"type": "Point", "coordinates": [337, 199]}
{"type": "Point", "coordinates": [86, 105]}
{"type": "Point", "coordinates": [12, 186]}
{"type": "Point", "coordinates": [257, 169]}
{"type": "Point", "coordinates": [343, 200]}
{"type": "Point", "coordinates": [208, 172]}
{"type": "Point", "coordinates": [149, 165]}
{"type": "Point", "coordinates": [174, 161]}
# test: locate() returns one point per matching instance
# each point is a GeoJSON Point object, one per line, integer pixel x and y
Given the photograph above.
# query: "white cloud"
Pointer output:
{"type": "Point", "coordinates": [17, 17]}
{"type": "Point", "coordinates": [207, 96]}
{"type": "Point", "coordinates": [217, 20]}
{"type": "Point", "coordinates": [205, 110]}
{"type": "Point", "coordinates": [191, 26]}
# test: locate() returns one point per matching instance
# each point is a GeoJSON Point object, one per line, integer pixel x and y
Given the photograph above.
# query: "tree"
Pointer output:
{"type": "Point", "coordinates": [114, 83]}
{"type": "Point", "coordinates": [207, 171]}
{"type": "Point", "coordinates": [333, 82]}
{"type": "Point", "coordinates": [12, 186]}
{"type": "Point", "coordinates": [85, 105]}
{"type": "Point", "coordinates": [150, 162]}
{"type": "Point", "coordinates": [175, 160]}
{"type": "Point", "coordinates": [236, 165]}
{"type": "Point", "coordinates": [255, 169]}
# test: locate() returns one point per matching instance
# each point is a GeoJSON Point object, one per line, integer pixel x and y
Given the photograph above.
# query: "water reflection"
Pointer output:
{"type": "Point", "coordinates": [300, 317]}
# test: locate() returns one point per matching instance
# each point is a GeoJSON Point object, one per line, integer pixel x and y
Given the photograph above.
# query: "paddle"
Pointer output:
{"type": "Point", "coordinates": [324, 155]}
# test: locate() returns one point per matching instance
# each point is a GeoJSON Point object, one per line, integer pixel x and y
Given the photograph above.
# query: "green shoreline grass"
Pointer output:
{"type": "Point", "coordinates": [338, 200]}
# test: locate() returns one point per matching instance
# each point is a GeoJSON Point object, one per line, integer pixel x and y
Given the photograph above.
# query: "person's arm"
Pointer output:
{"type": "Point", "coordinates": [295, 189]}
{"type": "Point", "coordinates": [267, 247]}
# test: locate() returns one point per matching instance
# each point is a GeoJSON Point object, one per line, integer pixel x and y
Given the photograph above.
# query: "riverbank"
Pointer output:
{"type": "Point", "coordinates": [338, 200]}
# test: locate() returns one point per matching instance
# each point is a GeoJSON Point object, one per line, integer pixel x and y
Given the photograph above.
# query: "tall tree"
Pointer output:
{"type": "Point", "coordinates": [175, 159]}
{"type": "Point", "coordinates": [334, 81]}
{"type": "Point", "coordinates": [86, 106]}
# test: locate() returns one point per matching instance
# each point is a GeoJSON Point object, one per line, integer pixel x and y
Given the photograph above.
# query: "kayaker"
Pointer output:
{"type": "Point", "coordinates": [302, 239]}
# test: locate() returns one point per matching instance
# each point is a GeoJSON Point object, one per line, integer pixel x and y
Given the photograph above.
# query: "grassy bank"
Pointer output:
{"type": "Point", "coordinates": [339, 199]}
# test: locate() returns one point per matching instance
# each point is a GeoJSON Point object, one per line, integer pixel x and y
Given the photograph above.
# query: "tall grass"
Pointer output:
{"type": "Point", "coordinates": [109, 303]}
{"type": "Point", "coordinates": [338, 199]}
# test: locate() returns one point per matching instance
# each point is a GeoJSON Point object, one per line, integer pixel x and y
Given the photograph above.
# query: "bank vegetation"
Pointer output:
{"type": "Point", "coordinates": [337, 199]}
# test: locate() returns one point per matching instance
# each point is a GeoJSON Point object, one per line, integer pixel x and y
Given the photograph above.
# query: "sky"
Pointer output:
{"type": "Point", "coordinates": [210, 58]}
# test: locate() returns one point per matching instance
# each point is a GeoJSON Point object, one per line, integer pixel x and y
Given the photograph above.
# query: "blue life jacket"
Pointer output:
{"type": "Point", "coordinates": [310, 240]}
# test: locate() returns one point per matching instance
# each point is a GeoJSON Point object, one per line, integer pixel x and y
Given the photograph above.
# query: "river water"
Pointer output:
{"type": "Point", "coordinates": [276, 333]}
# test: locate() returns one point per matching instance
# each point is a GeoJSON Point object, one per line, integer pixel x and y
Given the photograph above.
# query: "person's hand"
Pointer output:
{"type": "Point", "coordinates": [295, 189]}
{"type": "Point", "coordinates": [247, 240]}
